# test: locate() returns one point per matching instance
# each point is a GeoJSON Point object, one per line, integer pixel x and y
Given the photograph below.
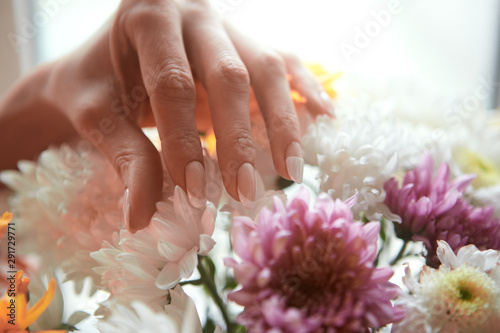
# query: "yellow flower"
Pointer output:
{"type": "Point", "coordinates": [15, 317]}
{"type": "Point", "coordinates": [326, 79]}
{"type": "Point", "coordinates": [487, 173]}
{"type": "Point", "coordinates": [210, 143]}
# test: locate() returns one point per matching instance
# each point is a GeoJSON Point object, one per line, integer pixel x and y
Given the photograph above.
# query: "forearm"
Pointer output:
{"type": "Point", "coordinates": [29, 120]}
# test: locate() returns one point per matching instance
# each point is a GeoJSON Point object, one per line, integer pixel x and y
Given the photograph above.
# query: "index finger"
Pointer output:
{"type": "Point", "coordinates": [155, 32]}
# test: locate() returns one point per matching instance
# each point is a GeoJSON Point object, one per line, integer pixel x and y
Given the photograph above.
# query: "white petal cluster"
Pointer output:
{"type": "Point", "coordinates": [179, 316]}
{"type": "Point", "coordinates": [473, 142]}
{"type": "Point", "coordinates": [145, 265]}
{"type": "Point", "coordinates": [447, 127]}
{"type": "Point", "coordinates": [357, 153]}
{"type": "Point", "coordinates": [463, 295]}
{"type": "Point", "coordinates": [128, 276]}
{"type": "Point", "coordinates": [66, 204]}
{"type": "Point", "coordinates": [69, 205]}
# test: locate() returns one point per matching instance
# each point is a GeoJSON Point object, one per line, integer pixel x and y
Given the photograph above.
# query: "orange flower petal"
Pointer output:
{"type": "Point", "coordinates": [4, 222]}
{"type": "Point", "coordinates": [41, 305]}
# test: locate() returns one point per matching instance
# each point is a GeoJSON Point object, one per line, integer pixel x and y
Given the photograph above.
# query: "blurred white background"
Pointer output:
{"type": "Point", "coordinates": [449, 44]}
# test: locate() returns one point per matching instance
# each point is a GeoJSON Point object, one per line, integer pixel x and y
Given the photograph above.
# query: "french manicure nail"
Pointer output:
{"type": "Point", "coordinates": [195, 184]}
{"type": "Point", "coordinates": [294, 162]}
{"type": "Point", "coordinates": [126, 209]}
{"type": "Point", "coordinates": [246, 184]}
{"type": "Point", "coordinates": [328, 102]}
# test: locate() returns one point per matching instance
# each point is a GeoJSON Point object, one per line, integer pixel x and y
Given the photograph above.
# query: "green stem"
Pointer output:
{"type": "Point", "coordinates": [402, 253]}
{"type": "Point", "coordinates": [209, 283]}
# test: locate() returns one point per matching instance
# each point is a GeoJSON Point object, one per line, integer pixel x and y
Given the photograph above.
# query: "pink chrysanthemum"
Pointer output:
{"type": "Point", "coordinates": [308, 270]}
{"type": "Point", "coordinates": [432, 208]}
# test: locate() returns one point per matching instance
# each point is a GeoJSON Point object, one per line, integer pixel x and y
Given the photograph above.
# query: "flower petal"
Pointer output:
{"type": "Point", "coordinates": [188, 263]}
{"type": "Point", "coordinates": [207, 243]}
{"type": "Point", "coordinates": [169, 276]}
{"type": "Point", "coordinates": [170, 251]}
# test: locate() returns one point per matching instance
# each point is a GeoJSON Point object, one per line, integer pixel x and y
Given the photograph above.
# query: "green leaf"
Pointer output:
{"type": "Point", "coordinates": [209, 326]}
{"type": "Point", "coordinates": [208, 266]}
{"type": "Point", "coordinates": [383, 233]}
{"type": "Point", "coordinates": [77, 317]}
{"type": "Point", "coordinates": [363, 218]}
{"type": "Point", "coordinates": [240, 329]}
{"type": "Point", "coordinates": [67, 327]}
{"type": "Point", "coordinates": [230, 283]}
{"type": "Point", "coordinates": [211, 267]}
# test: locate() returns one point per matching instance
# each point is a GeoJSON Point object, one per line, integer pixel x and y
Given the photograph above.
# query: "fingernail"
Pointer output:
{"type": "Point", "coordinates": [195, 184]}
{"type": "Point", "coordinates": [328, 102]}
{"type": "Point", "coordinates": [246, 184]}
{"type": "Point", "coordinates": [294, 162]}
{"type": "Point", "coordinates": [126, 210]}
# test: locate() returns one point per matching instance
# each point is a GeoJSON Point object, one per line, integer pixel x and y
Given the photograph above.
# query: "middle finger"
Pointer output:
{"type": "Point", "coordinates": [226, 80]}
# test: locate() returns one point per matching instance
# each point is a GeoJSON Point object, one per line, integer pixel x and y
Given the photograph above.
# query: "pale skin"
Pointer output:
{"type": "Point", "coordinates": [175, 65]}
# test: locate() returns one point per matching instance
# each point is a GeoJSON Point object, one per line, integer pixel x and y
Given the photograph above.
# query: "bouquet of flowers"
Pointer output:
{"type": "Point", "coordinates": [394, 229]}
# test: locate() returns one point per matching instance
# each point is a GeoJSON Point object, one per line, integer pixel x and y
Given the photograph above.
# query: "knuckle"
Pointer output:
{"type": "Point", "coordinates": [182, 140]}
{"type": "Point", "coordinates": [284, 121]}
{"type": "Point", "coordinates": [231, 71]}
{"type": "Point", "coordinates": [171, 81]}
{"type": "Point", "coordinates": [240, 141]}
{"type": "Point", "coordinates": [128, 156]}
{"type": "Point", "coordinates": [122, 161]}
{"type": "Point", "coordinates": [271, 62]}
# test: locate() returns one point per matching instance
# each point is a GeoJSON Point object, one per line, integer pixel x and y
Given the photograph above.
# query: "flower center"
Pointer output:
{"type": "Point", "coordinates": [487, 173]}
{"type": "Point", "coordinates": [322, 268]}
{"type": "Point", "coordinates": [466, 296]}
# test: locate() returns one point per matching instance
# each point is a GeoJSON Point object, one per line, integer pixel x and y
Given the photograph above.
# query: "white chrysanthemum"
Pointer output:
{"type": "Point", "coordinates": [182, 232]}
{"type": "Point", "coordinates": [144, 265]}
{"type": "Point", "coordinates": [358, 152]}
{"type": "Point", "coordinates": [486, 196]}
{"type": "Point", "coordinates": [473, 142]}
{"type": "Point", "coordinates": [128, 276]}
{"type": "Point", "coordinates": [462, 296]}
{"type": "Point", "coordinates": [442, 120]}
{"type": "Point", "coordinates": [66, 204]}
{"type": "Point", "coordinates": [409, 100]}
{"type": "Point", "coordinates": [179, 316]}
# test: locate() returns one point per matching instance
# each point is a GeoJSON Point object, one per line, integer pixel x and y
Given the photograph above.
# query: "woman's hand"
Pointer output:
{"type": "Point", "coordinates": [142, 70]}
